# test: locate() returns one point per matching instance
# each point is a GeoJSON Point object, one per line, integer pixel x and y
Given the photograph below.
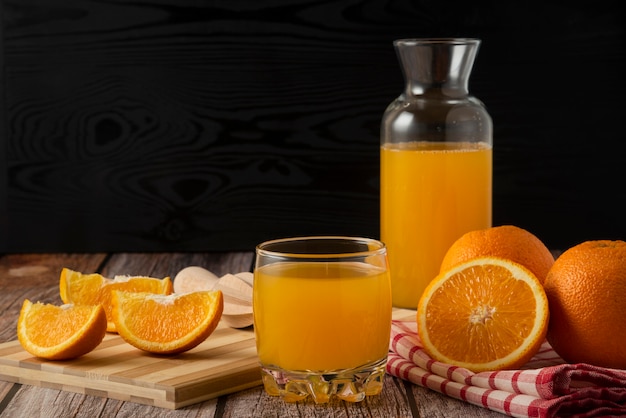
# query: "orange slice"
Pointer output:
{"type": "Point", "coordinates": [60, 332]}
{"type": "Point", "coordinates": [94, 289]}
{"type": "Point", "coordinates": [485, 314]}
{"type": "Point", "coordinates": [167, 324]}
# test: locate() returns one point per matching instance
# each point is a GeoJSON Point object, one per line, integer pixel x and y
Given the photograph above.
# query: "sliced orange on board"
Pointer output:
{"type": "Point", "coordinates": [60, 332]}
{"type": "Point", "coordinates": [485, 314]}
{"type": "Point", "coordinates": [166, 324]}
{"type": "Point", "coordinates": [93, 289]}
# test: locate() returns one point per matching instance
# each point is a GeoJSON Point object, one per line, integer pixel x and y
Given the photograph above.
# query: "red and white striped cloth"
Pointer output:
{"type": "Point", "coordinates": [545, 387]}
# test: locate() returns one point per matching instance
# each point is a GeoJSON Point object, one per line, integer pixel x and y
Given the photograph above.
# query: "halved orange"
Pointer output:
{"type": "Point", "coordinates": [60, 332]}
{"type": "Point", "coordinates": [166, 324]}
{"type": "Point", "coordinates": [485, 314]}
{"type": "Point", "coordinates": [94, 289]}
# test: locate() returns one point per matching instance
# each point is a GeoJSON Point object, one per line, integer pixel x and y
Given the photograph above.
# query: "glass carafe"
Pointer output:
{"type": "Point", "coordinates": [436, 162]}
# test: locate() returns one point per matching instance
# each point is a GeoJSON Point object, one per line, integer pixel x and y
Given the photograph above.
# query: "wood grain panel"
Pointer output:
{"type": "Point", "coordinates": [175, 126]}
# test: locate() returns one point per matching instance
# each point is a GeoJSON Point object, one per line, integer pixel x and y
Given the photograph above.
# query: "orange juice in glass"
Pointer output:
{"type": "Point", "coordinates": [322, 317]}
{"type": "Point", "coordinates": [431, 194]}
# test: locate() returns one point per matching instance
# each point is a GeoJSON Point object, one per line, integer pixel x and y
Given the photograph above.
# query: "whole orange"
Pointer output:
{"type": "Point", "coordinates": [506, 241]}
{"type": "Point", "coordinates": [586, 290]}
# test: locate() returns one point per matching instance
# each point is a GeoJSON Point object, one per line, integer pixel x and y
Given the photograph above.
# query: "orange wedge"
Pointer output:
{"type": "Point", "coordinates": [485, 314]}
{"type": "Point", "coordinates": [60, 332]}
{"type": "Point", "coordinates": [94, 289]}
{"type": "Point", "coordinates": [166, 324]}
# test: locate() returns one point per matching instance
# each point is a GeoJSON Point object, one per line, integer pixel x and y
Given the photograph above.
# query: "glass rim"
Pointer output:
{"type": "Point", "coordinates": [375, 247]}
{"type": "Point", "coordinates": [436, 41]}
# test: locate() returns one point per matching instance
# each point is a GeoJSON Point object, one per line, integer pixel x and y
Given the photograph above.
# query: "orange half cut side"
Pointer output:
{"type": "Point", "coordinates": [485, 314]}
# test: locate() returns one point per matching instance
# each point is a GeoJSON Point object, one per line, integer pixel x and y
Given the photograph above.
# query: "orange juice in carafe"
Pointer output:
{"type": "Point", "coordinates": [436, 159]}
{"type": "Point", "coordinates": [431, 194]}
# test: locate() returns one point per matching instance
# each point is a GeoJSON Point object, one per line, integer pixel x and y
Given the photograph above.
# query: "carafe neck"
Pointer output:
{"type": "Point", "coordinates": [437, 66]}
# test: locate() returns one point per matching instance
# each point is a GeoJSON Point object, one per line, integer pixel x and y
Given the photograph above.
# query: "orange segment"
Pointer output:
{"type": "Point", "coordinates": [93, 289]}
{"type": "Point", "coordinates": [166, 324]}
{"type": "Point", "coordinates": [60, 332]}
{"type": "Point", "coordinates": [485, 314]}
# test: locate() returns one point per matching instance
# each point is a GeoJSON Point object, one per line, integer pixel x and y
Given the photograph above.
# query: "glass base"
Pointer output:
{"type": "Point", "coordinates": [350, 385]}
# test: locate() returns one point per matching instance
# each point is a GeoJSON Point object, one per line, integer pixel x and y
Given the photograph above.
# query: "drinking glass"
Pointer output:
{"type": "Point", "coordinates": [322, 317]}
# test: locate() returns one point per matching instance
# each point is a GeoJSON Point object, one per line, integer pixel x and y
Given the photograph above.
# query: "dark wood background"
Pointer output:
{"type": "Point", "coordinates": [157, 125]}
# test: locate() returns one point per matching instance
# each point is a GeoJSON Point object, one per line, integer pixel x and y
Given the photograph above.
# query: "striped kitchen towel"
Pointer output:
{"type": "Point", "coordinates": [545, 387]}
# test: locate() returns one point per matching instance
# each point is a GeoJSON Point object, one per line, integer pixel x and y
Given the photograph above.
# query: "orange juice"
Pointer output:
{"type": "Point", "coordinates": [321, 316]}
{"type": "Point", "coordinates": [431, 194]}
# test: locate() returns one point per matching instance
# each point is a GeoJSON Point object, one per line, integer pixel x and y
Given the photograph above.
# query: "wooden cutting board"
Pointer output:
{"type": "Point", "coordinates": [225, 363]}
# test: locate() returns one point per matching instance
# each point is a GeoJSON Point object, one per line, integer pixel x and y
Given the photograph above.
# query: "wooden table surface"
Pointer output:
{"type": "Point", "coordinates": [35, 276]}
